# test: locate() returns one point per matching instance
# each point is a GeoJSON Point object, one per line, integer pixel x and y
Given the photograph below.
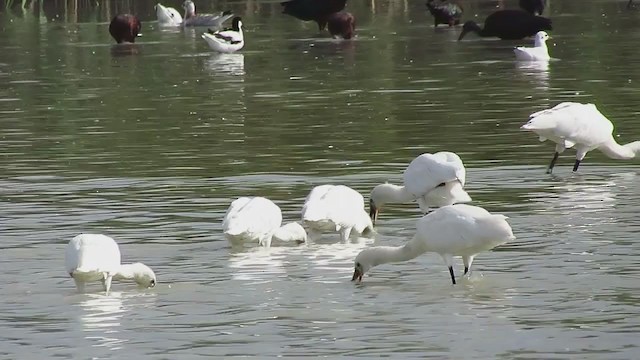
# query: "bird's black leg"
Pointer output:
{"type": "Point", "coordinates": [553, 162]}
{"type": "Point", "coordinates": [453, 278]}
{"type": "Point", "coordinates": [466, 270]}
{"type": "Point", "coordinates": [575, 166]}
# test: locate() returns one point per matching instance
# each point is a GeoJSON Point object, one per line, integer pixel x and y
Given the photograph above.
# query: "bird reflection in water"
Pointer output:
{"type": "Point", "coordinates": [231, 64]}
{"type": "Point", "coordinates": [124, 49]}
{"type": "Point", "coordinates": [257, 264]}
{"type": "Point", "coordinates": [101, 319]}
{"type": "Point", "coordinates": [538, 71]}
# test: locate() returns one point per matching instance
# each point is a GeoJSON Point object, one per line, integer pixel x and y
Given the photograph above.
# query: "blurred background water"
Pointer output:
{"type": "Point", "coordinates": [150, 145]}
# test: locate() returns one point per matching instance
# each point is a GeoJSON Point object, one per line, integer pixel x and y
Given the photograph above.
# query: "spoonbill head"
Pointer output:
{"type": "Point", "coordinates": [432, 180]}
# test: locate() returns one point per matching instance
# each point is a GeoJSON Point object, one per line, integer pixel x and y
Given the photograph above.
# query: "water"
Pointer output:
{"type": "Point", "coordinates": [151, 147]}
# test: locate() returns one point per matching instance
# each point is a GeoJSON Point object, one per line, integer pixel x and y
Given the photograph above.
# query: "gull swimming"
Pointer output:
{"type": "Point", "coordinates": [539, 51]}
{"type": "Point", "coordinates": [167, 16]}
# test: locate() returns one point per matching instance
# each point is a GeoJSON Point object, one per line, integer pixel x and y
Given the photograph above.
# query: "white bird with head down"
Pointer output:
{"type": "Point", "coordinates": [258, 219]}
{"type": "Point", "coordinates": [433, 180]}
{"type": "Point", "coordinates": [581, 126]}
{"type": "Point", "coordinates": [226, 41]}
{"type": "Point", "coordinates": [453, 230]}
{"type": "Point", "coordinates": [96, 257]}
{"type": "Point", "coordinates": [335, 208]}
{"type": "Point", "coordinates": [539, 51]}
{"type": "Point", "coordinates": [167, 16]}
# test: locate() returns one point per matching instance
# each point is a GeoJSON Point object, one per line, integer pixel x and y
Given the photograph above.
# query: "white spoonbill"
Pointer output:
{"type": "Point", "coordinates": [539, 51]}
{"type": "Point", "coordinates": [335, 208]}
{"type": "Point", "coordinates": [582, 126]}
{"type": "Point", "coordinates": [258, 219]}
{"type": "Point", "coordinates": [93, 257]}
{"type": "Point", "coordinates": [167, 16]}
{"type": "Point", "coordinates": [453, 230]}
{"type": "Point", "coordinates": [433, 180]}
{"type": "Point", "coordinates": [228, 40]}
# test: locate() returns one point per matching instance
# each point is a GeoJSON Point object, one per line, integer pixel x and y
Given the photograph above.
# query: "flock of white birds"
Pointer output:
{"type": "Point", "coordinates": [434, 181]}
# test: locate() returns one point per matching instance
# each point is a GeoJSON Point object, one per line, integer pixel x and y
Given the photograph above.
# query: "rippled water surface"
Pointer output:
{"type": "Point", "coordinates": [149, 144]}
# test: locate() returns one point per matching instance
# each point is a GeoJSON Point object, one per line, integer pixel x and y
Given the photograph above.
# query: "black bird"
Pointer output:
{"type": "Point", "coordinates": [342, 25]}
{"type": "Point", "coordinates": [535, 7]}
{"type": "Point", "coordinates": [445, 12]}
{"type": "Point", "coordinates": [313, 10]}
{"type": "Point", "coordinates": [508, 25]}
{"type": "Point", "coordinates": [125, 28]}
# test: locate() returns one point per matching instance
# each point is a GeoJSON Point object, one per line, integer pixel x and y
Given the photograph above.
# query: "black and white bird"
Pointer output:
{"type": "Point", "coordinates": [228, 40]}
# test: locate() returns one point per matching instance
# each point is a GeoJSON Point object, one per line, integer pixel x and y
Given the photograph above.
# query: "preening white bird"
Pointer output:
{"type": "Point", "coordinates": [433, 180]}
{"type": "Point", "coordinates": [335, 208]}
{"type": "Point", "coordinates": [539, 51]}
{"type": "Point", "coordinates": [226, 41]}
{"type": "Point", "coordinates": [258, 219]}
{"type": "Point", "coordinates": [96, 257]}
{"type": "Point", "coordinates": [167, 16]}
{"type": "Point", "coordinates": [582, 126]}
{"type": "Point", "coordinates": [453, 230]}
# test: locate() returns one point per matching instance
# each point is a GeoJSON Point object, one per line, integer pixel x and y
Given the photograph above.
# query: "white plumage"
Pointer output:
{"type": "Point", "coordinates": [335, 208]}
{"type": "Point", "coordinates": [168, 16]}
{"type": "Point", "coordinates": [581, 126]}
{"type": "Point", "coordinates": [453, 230]}
{"type": "Point", "coordinates": [433, 180]}
{"type": "Point", "coordinates": [226, 41]}
{"type": "Point", "coordinates": [96, 257]}
{"type": "Point", "coordinates": [291, 232]}
{"type": "Point", "coordinates": [539, 51]}
{"type": "Point", "coordinates": [211, 20]}
{"type": "Point", "coordinates": [258, 219]}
